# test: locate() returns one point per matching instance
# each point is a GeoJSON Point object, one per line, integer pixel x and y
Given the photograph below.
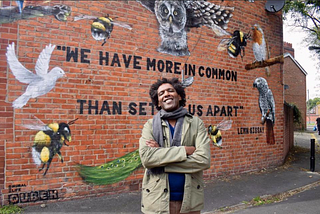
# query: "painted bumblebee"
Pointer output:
{"type": "Point", "coordinates": [236, 44]}
{"type": "Point", "coordinates": [215, 133]}
{"type": "Point", "coordinates": [48, 142]}
{"type": "Point", "coordinates": [102, 27]}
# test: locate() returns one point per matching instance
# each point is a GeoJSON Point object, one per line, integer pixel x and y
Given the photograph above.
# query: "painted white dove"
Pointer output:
{"type": "Point", "coordinates": [41, 82]}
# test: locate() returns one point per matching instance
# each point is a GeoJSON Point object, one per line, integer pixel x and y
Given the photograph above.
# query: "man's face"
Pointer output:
{"type": "Point", "coordinates": [168, 97]}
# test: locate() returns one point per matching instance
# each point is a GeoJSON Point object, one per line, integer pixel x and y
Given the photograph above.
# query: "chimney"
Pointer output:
{"type": "Point", "coordinates": [287, 48]}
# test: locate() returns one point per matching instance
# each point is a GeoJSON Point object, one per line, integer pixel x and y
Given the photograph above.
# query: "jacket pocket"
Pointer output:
{"type": "Point", "coordinates": [197, 196]}
{"type": "Point", "coordinates": [154, 196]}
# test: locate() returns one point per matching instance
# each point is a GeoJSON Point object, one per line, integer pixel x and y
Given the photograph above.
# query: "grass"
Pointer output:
{"type": "Point", "coordinates": [10, 209]}
{"type": "Point", "coordinates": [258, 201]}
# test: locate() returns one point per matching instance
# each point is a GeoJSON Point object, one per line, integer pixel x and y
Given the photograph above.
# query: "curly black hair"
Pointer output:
{"type": "Point", "coordinates": [176, 85]}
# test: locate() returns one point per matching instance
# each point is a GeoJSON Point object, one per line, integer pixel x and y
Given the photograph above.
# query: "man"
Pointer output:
{"type": "Point", "coordinates": [175, 149]}
{"type": "Point", "coordinates": [318, 125]}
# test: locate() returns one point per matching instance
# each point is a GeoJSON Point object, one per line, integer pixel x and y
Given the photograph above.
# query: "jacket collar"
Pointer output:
{"type": "Point", "coordinates": [186, 125]}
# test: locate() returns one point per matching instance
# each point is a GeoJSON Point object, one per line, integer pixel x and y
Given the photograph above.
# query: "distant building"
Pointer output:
{"type": "Point", "coordinates": [313, 114]}
{"type": "Point", "coordinates": [294, 80]}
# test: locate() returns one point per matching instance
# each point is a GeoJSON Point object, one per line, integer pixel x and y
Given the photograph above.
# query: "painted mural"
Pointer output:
{"type": "Point", "coordinates": [267, 107]}
{"type": "Point", "coordinates": [261, 51]}
{"type": "Point", "coordinates": [48, 141]}
{"type": "Point", "coordinates": [14, 13]}
{"type": "Point", "coordinates": [38, 84]}
{"type": "Point", "coordinates": [18, 193]}
{"type": "Point", "coordinates": [186, 82]}
{"type": "Point", "coordinates": [260, 47]}
{"type": "Point", "coordinates": [102, 27]}
{"type": "Point", "coordinates": [111, 172]}
{"type": "Point", "coordinates": [215, 132]}
{"type": "Point", "coordinates": [176, 17]}
{"type": "Point", "coordinates": [235, 44]}
{"type": "Point", "coordinates": [120, 168]}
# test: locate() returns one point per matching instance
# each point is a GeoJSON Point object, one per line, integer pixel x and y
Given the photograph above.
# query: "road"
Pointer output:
{"type": "Point", "coordinates": [303, 139]}
{"type": "Point", "coordinates": [305, 202]}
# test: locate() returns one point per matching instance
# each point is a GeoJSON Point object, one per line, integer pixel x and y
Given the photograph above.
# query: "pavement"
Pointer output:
{"type": "Point", "coordinates": [288, 189]}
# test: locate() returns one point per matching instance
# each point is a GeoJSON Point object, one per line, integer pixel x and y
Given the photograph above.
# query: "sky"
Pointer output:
{"type": "Point", "coordinates": [303, 56]}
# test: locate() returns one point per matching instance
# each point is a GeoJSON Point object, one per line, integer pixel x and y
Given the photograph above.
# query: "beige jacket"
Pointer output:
{"type": "Point", "coordinates": [155, 188]}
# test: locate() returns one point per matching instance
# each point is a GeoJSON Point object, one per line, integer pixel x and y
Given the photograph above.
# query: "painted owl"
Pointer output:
{"type": "Point", "coordinates": [266, 101]}
{"type": "Point", "coordinates": [172, 19]}
{"type": "Point", "coordinates": [176, 17]}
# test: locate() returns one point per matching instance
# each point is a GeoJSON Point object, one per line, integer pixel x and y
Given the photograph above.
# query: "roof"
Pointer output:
{"type": "Point", "coordinates": [296, 62]}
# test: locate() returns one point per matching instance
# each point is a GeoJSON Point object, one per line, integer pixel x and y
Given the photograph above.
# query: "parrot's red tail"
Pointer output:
{"type": "Point", "coordinates": [269, 132]}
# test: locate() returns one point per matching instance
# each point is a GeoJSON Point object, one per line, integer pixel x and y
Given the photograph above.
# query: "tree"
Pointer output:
{"type": "Point", "coordinates": [297, 118]}
{"type": "Point", "coordinates": [312, 103]}
{"type": "Point", "coordinates": [306, 15]}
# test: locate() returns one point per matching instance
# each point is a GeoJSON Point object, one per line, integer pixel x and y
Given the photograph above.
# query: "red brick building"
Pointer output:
{"type": "Point", "coordinates": [313, 114]}
{"type": "Point", "coordinates": [106, 89]}
{"type": "Point", "coordinates": [294, 78]}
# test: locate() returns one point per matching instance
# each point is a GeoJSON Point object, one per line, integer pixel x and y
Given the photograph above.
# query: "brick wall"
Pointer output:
{"type": "Point", "coordinates": [8, 33]}
{"type": "Point", "coordinates": [296, 93]}
{"type": "Point", "coordinates": [109, 94]}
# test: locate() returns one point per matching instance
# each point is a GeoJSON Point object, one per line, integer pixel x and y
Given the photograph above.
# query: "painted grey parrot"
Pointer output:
{"type": "Point", "coordinates": [267, 107]}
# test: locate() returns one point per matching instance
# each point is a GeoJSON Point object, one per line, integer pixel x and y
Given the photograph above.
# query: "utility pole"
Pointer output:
{"type": "Point", "coordinates": [308, 112]}
{"type": "Point", "coordinates": [307, 107]}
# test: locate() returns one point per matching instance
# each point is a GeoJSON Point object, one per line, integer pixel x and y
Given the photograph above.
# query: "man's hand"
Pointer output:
{"type": "Point", "coordinates": [152, 143]}
{"type": "Point", "coordinates": [190, 149]}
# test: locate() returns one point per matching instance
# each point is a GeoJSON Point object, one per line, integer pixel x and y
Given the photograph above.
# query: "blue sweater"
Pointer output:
{"type": "Point", "coordinates": [176, 181]}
